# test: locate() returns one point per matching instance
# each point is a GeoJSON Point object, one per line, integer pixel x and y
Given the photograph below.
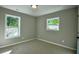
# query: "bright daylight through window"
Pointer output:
{"type": "Point", "coordinates": [12, 26]}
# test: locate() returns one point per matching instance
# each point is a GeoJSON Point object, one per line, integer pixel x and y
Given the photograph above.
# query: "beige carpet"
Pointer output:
{"type": "Point", "coordinates": [36, 47]}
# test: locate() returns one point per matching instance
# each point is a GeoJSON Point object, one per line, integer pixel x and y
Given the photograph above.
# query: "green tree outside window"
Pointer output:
{"type": "Point", "coordinates": [53, 22]}
{"type": "Point", "coordinates": [12, 22]}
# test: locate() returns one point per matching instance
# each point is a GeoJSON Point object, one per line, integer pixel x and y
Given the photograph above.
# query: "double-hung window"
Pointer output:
{"type": "Point", "coordinates": [12, 26]}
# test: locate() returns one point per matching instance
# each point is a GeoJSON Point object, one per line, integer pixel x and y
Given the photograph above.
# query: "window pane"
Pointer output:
{"type": "Point", "coordinates": [53, 24]}
{"type": "Point", "coordinates": [12, 25]}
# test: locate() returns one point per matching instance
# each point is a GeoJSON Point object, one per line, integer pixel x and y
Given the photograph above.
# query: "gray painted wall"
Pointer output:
{"type": "Point", "coordinates": [68, 28]}
{"type": "Point", "coordinates": [78, 19]}
{"type": "Point", "coordinates": [27, 27]}
{"type": "Point", "coordinates": [78, 34]}
{"type": "Point", "coordinates": [32, 27]}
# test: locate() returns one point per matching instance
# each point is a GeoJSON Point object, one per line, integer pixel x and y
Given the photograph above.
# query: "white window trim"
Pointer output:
{"type": "Point", "coordinates": [6, 26]}
{"type": "Point", "coordinates": [48, 26]}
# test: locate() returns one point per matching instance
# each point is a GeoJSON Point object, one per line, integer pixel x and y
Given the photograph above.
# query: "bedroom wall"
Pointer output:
{"type": "Point", "coordinates": [32, 27]}
{"type": "Point", "coordinates": [27, 27]}
{"type": "Point", "coordinates": [68, 28]}
{"type": "Point", "coordinates": [78, 34]}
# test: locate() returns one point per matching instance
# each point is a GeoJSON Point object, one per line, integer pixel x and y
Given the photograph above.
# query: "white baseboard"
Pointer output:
{"type": "Point", "coordinates": [57, 44]}
{"type": "Point", "coordinates": [16, 43]}
{"type": "Point", "coordinates": [40, 40]}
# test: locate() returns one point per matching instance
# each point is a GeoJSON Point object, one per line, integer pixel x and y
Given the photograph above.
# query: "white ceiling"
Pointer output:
{"type": "Point", "coordinates": [41, 10]}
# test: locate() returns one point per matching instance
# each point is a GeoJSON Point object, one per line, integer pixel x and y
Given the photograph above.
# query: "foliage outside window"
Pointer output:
{"type": "Point", "coordinates": [53, 23]}
{"type": "Point", "coordinates": [12, 26]}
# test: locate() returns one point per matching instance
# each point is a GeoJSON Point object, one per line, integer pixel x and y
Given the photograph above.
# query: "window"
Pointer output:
{"type": "Point", "coordinates": [12, 26]}
{"type": "Point", "coordinates": [53, 24]}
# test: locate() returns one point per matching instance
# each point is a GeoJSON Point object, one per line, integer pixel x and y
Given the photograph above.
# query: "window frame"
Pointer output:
{"type": "Point", "coordinates": [52, 25]}
{"type": "Point", "coordinates": [19, 27]}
